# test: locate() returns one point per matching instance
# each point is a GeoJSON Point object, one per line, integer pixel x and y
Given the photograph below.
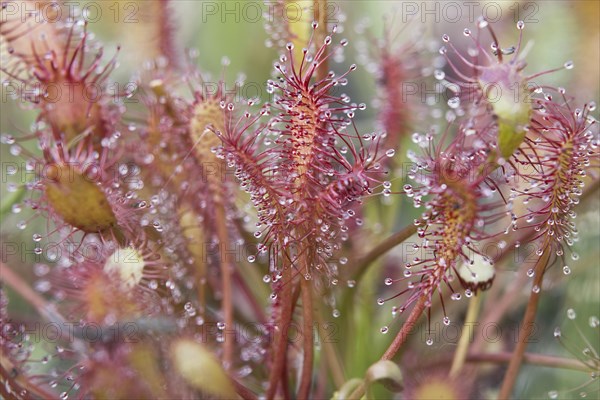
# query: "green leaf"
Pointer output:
{"type": "Point", "coordinates": [510, 137]}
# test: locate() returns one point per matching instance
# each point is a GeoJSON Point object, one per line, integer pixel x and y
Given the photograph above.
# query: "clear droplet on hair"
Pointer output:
{"type": "Point", "coordinates": [454, 102]}
{"type": "Point", "coordinates": [569, 65]}
{"type": "Point", "coordinates": [530, 272]}
{"type": "Point", "coordinates": [571, 314]}
{"type": "Point", "coordinates": [557, 332]}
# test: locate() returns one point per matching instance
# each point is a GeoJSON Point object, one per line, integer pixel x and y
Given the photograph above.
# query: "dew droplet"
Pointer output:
{"type": "Point", "coordinates": [530, 272]}
{"type": "Point", "coordinates": [454, 102]}
{"type": "Point", "coordinates": [429, 341]}
{"type": "Point", "coordinates": [571, 314]}
{"type": "Point", "coordinates": [384, 329]}
{"type": "Point", "coordinates": [535, 289]}
{"type": "Point", "coordinates": [37, 237]}
{"type": "Point", "coordinates": [251, 259]}
{"type": "Point", "coordinates": [557, 332]}
{"type": "Point", "coordinates": [335, 313]}
{"type": "Point", "coordinates": [380, 301]}
{"type": "Point", "coordinates": [566, 270]}
{"type": "Point", "coordinates": [594, 321]}
{"type": "Point", "coordinates": [569, 65]}
{"type": "Point", "coordinates": [445, 38]}
{"type": "Point", "coordinates": [390, 153]}
{"type": "Point", "coordinates": [388, 281]}
{"type": "Point", "coordinates": [520, 25]}
{"type": "Point", "coordinates": [553, 394]}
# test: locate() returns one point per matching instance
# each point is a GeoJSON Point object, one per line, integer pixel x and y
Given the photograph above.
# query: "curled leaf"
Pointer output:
{"type": "Point", "coordinates": [387, 373]}
{"type": "Point", "coordinates": [347, 388]}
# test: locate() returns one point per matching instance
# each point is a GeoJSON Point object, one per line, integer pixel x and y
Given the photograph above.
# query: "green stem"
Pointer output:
{"type": "Point", "coordinates": [362, 265]}
{"type": "Point", "coordinates": [463, 345]}
{"type": "Point", "coordinates": [333, 361]}
{"type": "Point", "coordinates": [503, 357]}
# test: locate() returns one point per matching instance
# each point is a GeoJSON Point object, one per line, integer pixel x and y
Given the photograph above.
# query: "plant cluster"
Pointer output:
{"type": "Point", "coordinates": [196, 244]}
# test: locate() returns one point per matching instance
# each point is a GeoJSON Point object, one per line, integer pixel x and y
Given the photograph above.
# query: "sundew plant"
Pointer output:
{"type": "Point", "coordinates": [299, 199]}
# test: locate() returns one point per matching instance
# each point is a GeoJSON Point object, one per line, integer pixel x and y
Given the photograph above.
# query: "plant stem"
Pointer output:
{"type": "Point", "coordinates": [407, 327]}
{"type": "Point", "coordinates": [243, 391]}
{"type": "Point", "coordinates": [307, 339]}
{"type": "Point", "coordinates": [335, 366]}
{"type": "Point", "coordinates": [398, 341]}
{"type": "Point", "coordinates": [279, 350]}
{"type": "Point", "coordinates": [320, 15]}
{"type": "Point", "coordinates": [227, 301]}
{"type": "Point", "coordinates": [460, 354]}
{"type": "Point", "coordinates": [361, 267]}
{"type": "Point", "coordinates": [526, 327]}
{"type": "Point", "coordinates": [40, 304]}
{"type": "Point", "coordinates": [528, 358]}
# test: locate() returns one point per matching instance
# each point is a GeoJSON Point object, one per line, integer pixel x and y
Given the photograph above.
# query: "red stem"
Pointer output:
{"type": "Point", "coordinates": [526, 327]}
{"type": "Point", "coordinates": [307, 342]}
